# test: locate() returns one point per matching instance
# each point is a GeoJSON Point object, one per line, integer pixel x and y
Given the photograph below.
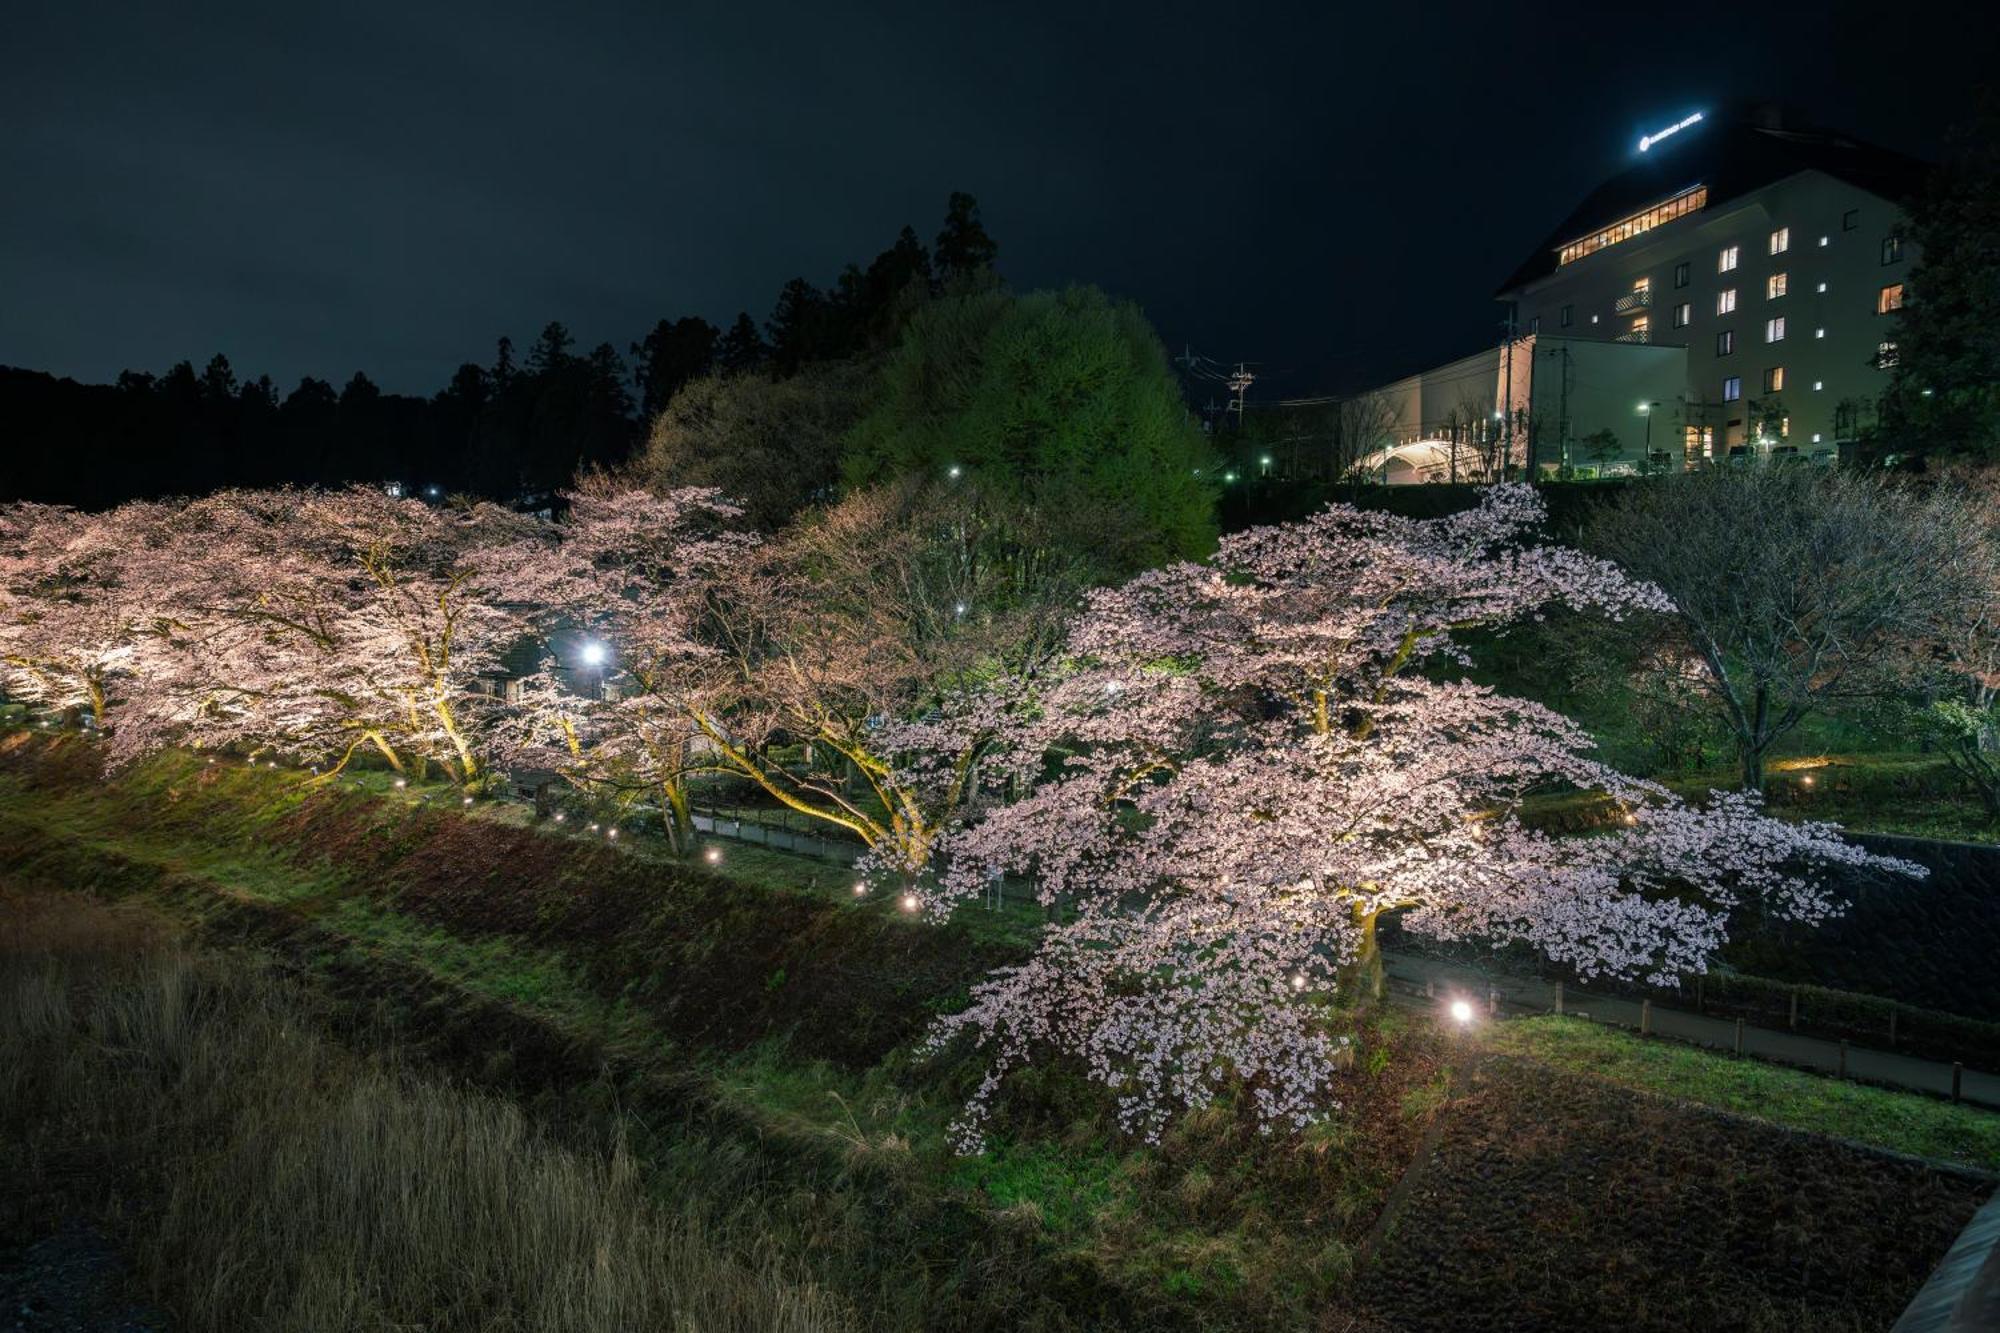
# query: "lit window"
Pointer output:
{"type": "Point", "coordinates": [1774, 379]}
{"type": "Point", "coordinates": [1824, 241]}
{"type": "Point", "coordinates": [1774, 286]}
{"type": "Point", "coordinates": [1885, 354]}
{"type": "Point", "coordinates": [1593, 319]}
{"type": "Point", "coordinates": [1568, 315]}
{"type": "Point", "coordinates": [1683, 314]}
{"type": "Point", "coordinates": [1642, 285]}
{"type": "Point", "coordinates": [1774, 330]}
{"type": "Point", "coordinates": [1850, 219]}
{"type": "Point", "coordinates": [1726, 261]}
{"type": "Point", "coordinates": [1815, 437]}
{"type": "Point", "coordinates": [1822, 286]}
{"type": "Point", "coordinates": [1781, 240]}
{"type": "Point", "coordinates": [1725, 342]}
{"type": "Point", "coordinates": [1725, 300]}
{"type": "Point", "coordinates": [1687, 201]}
{"type": "Point", "coordinates": [1732, 389]}
{"type": "Point", "coordinates": [1818, 385]}
{"type": "Point", "coordinates": [1890, 298]}
{"type": "Point", "coordinates": [1892, 249]}
{"type": "Point", "coordinates": [1681, 274]}
{"type": "Point", "coordinates": [1819, 333]}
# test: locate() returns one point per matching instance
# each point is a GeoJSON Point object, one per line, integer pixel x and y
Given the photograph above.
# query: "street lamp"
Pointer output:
{"type": "Point", "coordinates": [1646, 411]}
{"type": "Point", "coordinates": [594, 655]}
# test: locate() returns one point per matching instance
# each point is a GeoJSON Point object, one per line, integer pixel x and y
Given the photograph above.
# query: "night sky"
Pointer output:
{"type": "Point", "coordinates": [1332, 191]}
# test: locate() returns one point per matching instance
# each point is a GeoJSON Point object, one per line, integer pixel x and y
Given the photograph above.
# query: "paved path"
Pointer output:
{"type": "Point", "coordinates": [1531, 995]}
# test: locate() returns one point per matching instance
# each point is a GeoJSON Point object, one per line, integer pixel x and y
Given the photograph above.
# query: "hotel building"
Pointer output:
{"type": "Point", "coordinates": [1759, 264]}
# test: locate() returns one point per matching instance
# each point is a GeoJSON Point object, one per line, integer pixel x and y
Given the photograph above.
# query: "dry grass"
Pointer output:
{"type": "Point", "coordinates": [262, 1176]}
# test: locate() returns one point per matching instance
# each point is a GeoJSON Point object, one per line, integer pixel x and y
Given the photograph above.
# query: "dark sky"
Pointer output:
{"type": "Point", "coordinates": [1330, 190]}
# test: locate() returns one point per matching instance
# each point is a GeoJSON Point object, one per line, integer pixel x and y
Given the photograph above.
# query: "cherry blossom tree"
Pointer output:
{"type": "Point", "coordinates": [76, 605]}
{"type": "Point", "coordinates": [1247, 762]}
{"type": "Point", "coordinates": [319, 624]}
{"type": "Point", "coordinates": [631, 575]}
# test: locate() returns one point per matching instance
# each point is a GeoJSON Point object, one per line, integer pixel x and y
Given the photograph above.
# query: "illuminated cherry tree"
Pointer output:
{"type": "Point", "coordinates": [625, 582]}
{"type": "Point", "coordinates": [1248, 761]}
{"type": "Point", "coordinates": [319, 624]}
{"type": "Point", "coordinates": [77, 607]}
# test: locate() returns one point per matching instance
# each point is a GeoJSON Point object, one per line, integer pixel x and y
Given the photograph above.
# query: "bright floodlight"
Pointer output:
{"type": "Point", "coordinates": [593, 653]}
{"type": "Point", "coordinates": [953, 471]}
{"type": "Point", "coordinates": [1462, 1010]}
{"type": "Point", "coordinates": [712, 855]}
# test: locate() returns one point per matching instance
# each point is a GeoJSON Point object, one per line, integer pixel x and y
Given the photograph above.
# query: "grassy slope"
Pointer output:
{"type": "Point", "coordinates": [1922, 1127]}
{"type": "Point", "coordinates": [1062, 1222]}
{"type": "Point", "coordinates": [782, 1017]}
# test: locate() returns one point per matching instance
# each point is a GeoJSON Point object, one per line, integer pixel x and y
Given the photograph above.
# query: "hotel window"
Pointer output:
{"type": "Point", "coordinates": [1774, 286]}
{"type": "Point", "coordinates": [1683, 314]}
{"type": "Point", "coordinates": [1892, 249]}
{"type": "Point", "coordinates": [1725, 262]}
{"type": "Point", "coordinates": [1850, 219]}
{"type": "Point", "coordinates": [1885, 354]}
{"type": "Point", "coordinates": [1774, 330]}
{"type": "Point", "coordinates": [1687, 201]}
{"type": "Point", "coordinates": [1568, 314]}
{"type": "Point", "coordinates": [1774, 379]}
{"type": "Point", "coordinates": [1781, 240]}
{"type": "Point", "coordinates": [1732, 389]}
{"type": "Point", "coordinates": [1681, 274]}
{"type": "Point", "coordinates": [1818, 385]}
{"type": "Point", "coordinates": [1535, 324]}
{"type": "Point", "coordinates": [1725, 301]}
{"type": "Point", "coordinates": [1725, 342]}
{"type": "Point", "coordinates": [1819, 333]}
{"type": "Point", "coordinates": [1822, 287]}
{"type": "Point", "coordinates": [1889, 298]}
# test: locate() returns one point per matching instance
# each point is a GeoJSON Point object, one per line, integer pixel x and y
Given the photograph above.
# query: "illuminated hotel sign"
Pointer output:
{"type": "Point", "coordinates": [1648, 140]}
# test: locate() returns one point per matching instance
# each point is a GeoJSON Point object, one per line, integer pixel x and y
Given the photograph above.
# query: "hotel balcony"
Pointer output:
{"type": "Point", "coordinates": [1634, 336]}
{"type": "Point", "coordinates": [1631, 301]}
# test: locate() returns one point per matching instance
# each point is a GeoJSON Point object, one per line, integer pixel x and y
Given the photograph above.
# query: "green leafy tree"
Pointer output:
{"type": "Point", "coordinates": [772, 446]}
{"type": "Point", "coordinates": [1601, 446]}
{"type": "Point", "coordinates": [1944, 387]}
{"type": "Point", "coordinates": [1063, 398]}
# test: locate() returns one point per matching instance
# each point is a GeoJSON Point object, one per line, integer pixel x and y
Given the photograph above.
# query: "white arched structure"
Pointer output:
{"type": "Point", "coordinates": [1417, 461]}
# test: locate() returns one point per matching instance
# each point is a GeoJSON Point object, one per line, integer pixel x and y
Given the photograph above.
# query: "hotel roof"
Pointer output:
{"type": "Point", "coordinates": [1730, 157]}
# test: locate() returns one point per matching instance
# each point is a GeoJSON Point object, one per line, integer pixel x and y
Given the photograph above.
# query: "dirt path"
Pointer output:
{"type": "Point", "coordinates": [71, 1282]}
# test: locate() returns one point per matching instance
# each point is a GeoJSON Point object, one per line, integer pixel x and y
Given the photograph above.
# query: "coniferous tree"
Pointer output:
{"type": "Point", "coordinates": [801, 327]}
{"type": "Point", "coordinates": [964, 251]}
{"type": "Point", "coordinates": [675, 352]}
{"type": "Point", "coordinates": [742, 348]}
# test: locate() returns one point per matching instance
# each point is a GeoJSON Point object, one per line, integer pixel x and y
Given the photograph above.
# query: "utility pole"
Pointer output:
{"type": "Point", "coordinates": [1239, 384]}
